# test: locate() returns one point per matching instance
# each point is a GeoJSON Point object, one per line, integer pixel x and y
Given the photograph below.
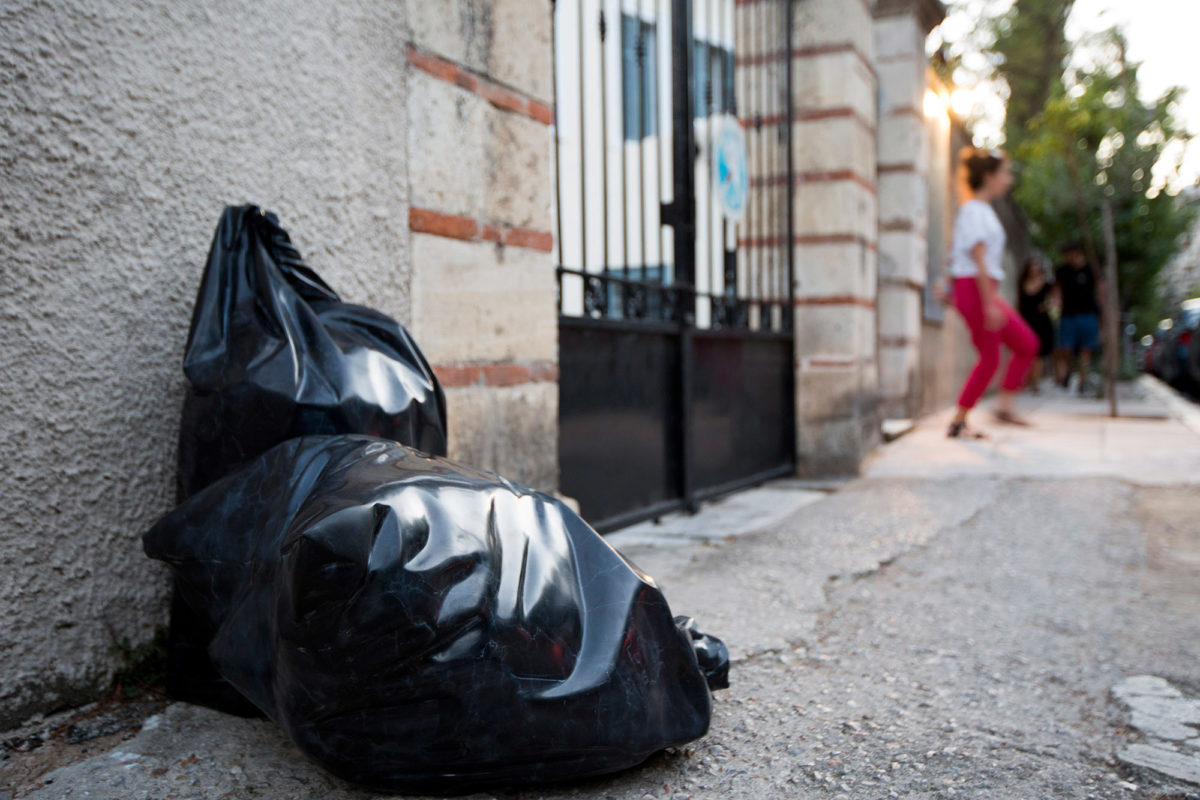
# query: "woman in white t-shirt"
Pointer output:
{"type": "Point", "coordinates": [976, 267]}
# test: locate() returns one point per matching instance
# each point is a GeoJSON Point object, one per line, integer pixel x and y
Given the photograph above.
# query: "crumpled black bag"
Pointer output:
{"type": "Point", "coordinates": [273, 353]}
{"type": "Point", "coordinates": [419, 626]}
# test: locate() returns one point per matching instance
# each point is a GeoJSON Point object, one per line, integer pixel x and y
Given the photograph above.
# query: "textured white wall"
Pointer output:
{"type": "Point", "coordinates": [124, 130]}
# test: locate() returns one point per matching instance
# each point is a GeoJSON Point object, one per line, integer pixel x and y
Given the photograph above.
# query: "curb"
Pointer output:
{"type": "Point", "coordinates": [1180, 407]}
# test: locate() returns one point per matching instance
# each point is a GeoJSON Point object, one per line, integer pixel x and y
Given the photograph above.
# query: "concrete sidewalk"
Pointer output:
{"type": "Point", "coordinates": [1070, 437]}
{"type": "Point", "coordinates": [777, 572]}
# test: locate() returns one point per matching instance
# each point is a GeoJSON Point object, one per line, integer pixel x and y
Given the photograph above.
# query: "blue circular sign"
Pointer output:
{"type": "Point", "coordinates": [730, 168]}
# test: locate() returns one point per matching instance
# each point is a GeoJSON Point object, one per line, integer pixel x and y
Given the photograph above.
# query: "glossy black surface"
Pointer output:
{"type": "Point", "coordinates": [618, 419]}
{"type": "Point", "coordinates": [274, 353]}
{"type": "Point", "coordinates": [415, 625]}
{"type": "Point", "coordinates": [741, 407]}
{"type": "Point", "coordinates": [621, 391]}
{"type": "Point", "coordinates": [711, 653]}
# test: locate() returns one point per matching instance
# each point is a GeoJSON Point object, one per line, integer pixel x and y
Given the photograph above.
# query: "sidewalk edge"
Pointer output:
{"type": "Point", "coordinates": [1179, 407]}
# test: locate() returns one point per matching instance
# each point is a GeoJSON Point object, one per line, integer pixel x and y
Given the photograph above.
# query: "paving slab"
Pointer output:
{"type": "Point", "coordinates": [1070, 437]}
{"type": "Point", "coordinates": [1169, 720]}
{"type": "Point", "coordinates": [737, 514]}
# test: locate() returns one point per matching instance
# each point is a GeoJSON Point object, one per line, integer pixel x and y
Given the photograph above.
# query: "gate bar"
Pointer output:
{"type": "Point", "coordinates": [787, 320]}
{"type": "Point", "coordinates": [557, 145]}
{"type": "Point", "coordinates": [643, 101]}
{"type": "Point", "coordinates": [603, 124]}
{"type": "Point", "coordinates": [683, 220]}
{"type": "Point", "coordinates": [789, 289]}
{"type": "Point", "coordinates": [761, 43]}
{"type": "Point", "coordinates": [583, 204]}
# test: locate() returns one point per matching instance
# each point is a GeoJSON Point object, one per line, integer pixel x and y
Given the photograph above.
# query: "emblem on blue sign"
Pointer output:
{"type": "Point", "coordinates": [729, 156]}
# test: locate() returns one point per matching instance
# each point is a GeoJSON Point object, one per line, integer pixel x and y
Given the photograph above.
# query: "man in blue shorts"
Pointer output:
{"type": "Point", "coordinates": [1079, 327]}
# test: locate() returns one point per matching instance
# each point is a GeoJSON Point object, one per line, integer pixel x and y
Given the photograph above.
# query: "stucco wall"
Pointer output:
{"type": "Point", "coordinates": [126, 127]}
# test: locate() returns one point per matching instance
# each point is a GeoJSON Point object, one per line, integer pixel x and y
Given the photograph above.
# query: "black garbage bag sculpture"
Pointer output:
{"type": "Point", "coordinates": [273, 353]}
{"type": "Point", "coordinates": [415, 625]}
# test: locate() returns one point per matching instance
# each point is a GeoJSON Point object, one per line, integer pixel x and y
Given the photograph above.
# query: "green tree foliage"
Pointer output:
{"type": "Point", "coordinates": [1098, 140]}
{"type": "Point", "coordinates": [1031, 40]}
{"type": "Point", "coordinates": [1080, 134]}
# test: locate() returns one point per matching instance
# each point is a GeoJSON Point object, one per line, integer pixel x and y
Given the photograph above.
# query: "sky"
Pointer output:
{"type": "Point", "coordinates": [1161, 34]}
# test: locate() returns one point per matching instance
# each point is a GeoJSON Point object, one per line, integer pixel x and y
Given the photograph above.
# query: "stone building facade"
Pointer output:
{"type": "Point", "coordinates": [409, 148]}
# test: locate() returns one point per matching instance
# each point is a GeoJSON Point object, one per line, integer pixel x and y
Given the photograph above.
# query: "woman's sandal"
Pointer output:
{"type": "Point", "coordinates": [959, 430]}
{"type": "Point", "coordinates": [1009, 418]}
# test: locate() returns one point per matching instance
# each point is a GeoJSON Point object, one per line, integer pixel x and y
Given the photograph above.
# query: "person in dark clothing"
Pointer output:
{"type": "Point", "coordinates": [1079, 326]}
{"type": "Point", "coordinates": [1034, 305]}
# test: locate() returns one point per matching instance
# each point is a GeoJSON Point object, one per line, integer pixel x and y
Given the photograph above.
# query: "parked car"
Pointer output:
{"type": "Point", "coordinates": [1144, 353]}
{"type": "Point", "coordinates": [1156, 361]}
{"type": "Point", "coordinates": [1187, 337]}
{"type": "Point", "coordinates": [1174, 355]}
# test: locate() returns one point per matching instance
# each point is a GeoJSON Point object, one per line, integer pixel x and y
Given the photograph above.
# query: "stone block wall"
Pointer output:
{"type": "Point", "coordinates": [483, 291]}
{"type": "Point", "coordinates": [900, 28]}
{"type": "Point", "coordinates": [835, 237]}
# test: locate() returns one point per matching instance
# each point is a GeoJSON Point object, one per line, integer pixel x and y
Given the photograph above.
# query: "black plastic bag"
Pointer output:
{"type": "Point", "coordinates": [419, 626]}
{"type": "Point", "coordinates": [273, 353]}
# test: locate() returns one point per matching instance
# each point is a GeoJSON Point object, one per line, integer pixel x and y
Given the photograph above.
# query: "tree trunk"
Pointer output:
{"type": "Point", "coordinates": [1112, 321]}
{"type": "Point", "coordinates": [1085, 231]}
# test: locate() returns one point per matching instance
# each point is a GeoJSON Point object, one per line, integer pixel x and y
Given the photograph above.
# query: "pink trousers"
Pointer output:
{"type": "Point", "coordinates": [1016, 335]}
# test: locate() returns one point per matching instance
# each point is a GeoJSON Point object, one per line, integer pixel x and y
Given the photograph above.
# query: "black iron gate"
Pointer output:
{"type": "Point", "coordinates": [674, 168]}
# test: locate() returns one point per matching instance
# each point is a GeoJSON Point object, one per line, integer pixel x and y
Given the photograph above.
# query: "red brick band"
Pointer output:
{"type": "Point", "coordinates": [768, 181]}
{"type": "Point", "coordinates": [888, 169]}
{"type": "Point", "coordinates": [811, 115]}
{"type": "Point", "coordinates": [765, 121]}
{"type": "Point", "coordinates": [836, 176]}
{"type": "Point", "coordinates": [834, 238]}
{"type": "Point", "coordinates": [758, 59]}
{"type": "Point", "coordinates": [836, 300]}
{"type": "Point", "coordinates": [834, 362]}
{"type": "Point", "coordinates": [496, 373]}
{"type": "Point", "coordinates": [898, 341]}
{"type": "Point", "coordinates": [815, 51]}
{"type": "Point", "coordinates": [835, 49]}
{"type": "Point", "coordinates": [424, 220]}
{"type": "Point", "coordinates": [815, 176]}
{"type": "Point", "coordinates": [902, 283]}
{"type": "Point", "coordinates": [501, 97]}
{"type": "Point", "coordinates": [907, 111]}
